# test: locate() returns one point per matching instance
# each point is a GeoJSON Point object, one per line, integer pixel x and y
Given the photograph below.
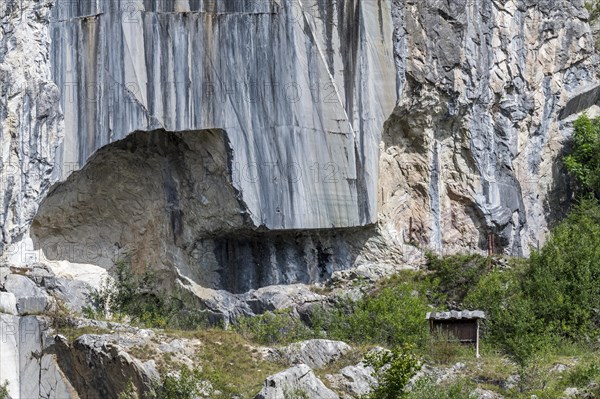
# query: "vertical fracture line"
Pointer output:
{"type": "Point", "coordinates": [434, 198]}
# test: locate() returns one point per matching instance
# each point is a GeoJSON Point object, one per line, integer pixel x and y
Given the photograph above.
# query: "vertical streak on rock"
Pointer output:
{"type": "Point", "coordinates": [434, 197]}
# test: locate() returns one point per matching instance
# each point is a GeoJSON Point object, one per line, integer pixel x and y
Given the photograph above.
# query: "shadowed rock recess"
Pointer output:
{"type": "Point", "coordinates": [168, 201]}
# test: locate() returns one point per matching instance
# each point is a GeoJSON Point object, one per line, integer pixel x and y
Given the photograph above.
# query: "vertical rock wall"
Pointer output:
{"type": "Point", "coordinates": [299, 87]}
{"type": "Point", "coordinates": [30, 118]}
{"type": "Point", "coordinates": [473, 146]}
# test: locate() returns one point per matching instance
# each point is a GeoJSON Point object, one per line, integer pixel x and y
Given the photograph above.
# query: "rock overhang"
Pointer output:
{"type": "Point", "coordinates": [302, 115]}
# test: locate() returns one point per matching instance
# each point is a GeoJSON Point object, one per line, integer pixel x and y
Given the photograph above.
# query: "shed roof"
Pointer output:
{"type": "Point", "coordinates": [456, 315]}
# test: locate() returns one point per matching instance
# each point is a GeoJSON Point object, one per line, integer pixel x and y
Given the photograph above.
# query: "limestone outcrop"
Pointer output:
{"type": "Point", "coordinates": [473, 147]}
{"type": "Point", "coordinates": [230, 146]}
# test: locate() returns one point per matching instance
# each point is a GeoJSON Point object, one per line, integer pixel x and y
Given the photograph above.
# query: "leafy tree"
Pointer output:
{"type": "Point", "coordinates": [583, 162]}
{"type": "Point", "coordinates": [563, 276]}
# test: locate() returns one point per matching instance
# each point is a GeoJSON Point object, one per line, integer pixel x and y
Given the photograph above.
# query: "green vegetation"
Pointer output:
{"type": "Point", "coordinates": [129, 393]}
{"type": "Point", "coordinates": [563, 278]}
{"type": "Point", "coordinates": [135, 296]}
{"type": "Point", "coordinates": [428, 389]}
{"type": "Point", "coordinates": [453, 276]}
{"type": "Point", "coordinates": [393, 370]}
{"type": "Point", "coordinates": [583, 162]}
{"type": "Point", "coordinates": [232, 364]}
{"type": "Point", "coordinates": [4, 390]}
{"type": "Point", "coordinates": [593, 7]}
{"type": "Point", "coordinates": [392, 315]}
{"type": "Point", "coordinates": [187, 384]}
{"type": "Point", "coordinates": [278, 327]}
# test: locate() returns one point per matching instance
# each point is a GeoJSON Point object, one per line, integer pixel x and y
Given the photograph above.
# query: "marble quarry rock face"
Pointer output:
{"type": "Point", "coordinates": [184, 124]}
{"type": "Point", "coordinates": [299, 89]}
{"type": "Point", "coordinates": [239, 144]}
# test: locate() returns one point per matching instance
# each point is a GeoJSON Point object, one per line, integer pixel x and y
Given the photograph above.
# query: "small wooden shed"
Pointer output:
{"type": "Point", "coordinates": [464, 325]}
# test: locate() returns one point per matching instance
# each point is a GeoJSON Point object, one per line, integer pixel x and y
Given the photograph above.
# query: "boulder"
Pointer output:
{"type": "Point", "coordinates": [32, 305]}
{"type": "Point", "coordinates": [315, 353]}
{"type": "Point", "coordinates": [298, 381]}
{"type": "Point", "coordinates": [30, 299]}
{"type": "Point", "coordinates": [356, 380]}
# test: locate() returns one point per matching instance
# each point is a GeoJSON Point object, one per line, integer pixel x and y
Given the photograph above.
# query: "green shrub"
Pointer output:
{"type": "Point", "coordinates": [511, 322]}
{"type": "Point", "coordinates": [582, 375]}
{"type": "Point", "coordinates": [562, 279]}
{"type": "Point", "coordinates": [138, 297]}
{"type": "Point", "coordinates": [583, 161]}
{"type": "Point", "coordinates": [454, 275]}
{"type": "Point", "coordinates": [4, 390]}
{"type": "Point", "coordinates": [593, 7]}
{"type": "Point", "coordinates": [278, 327]}
{"type": "Point", "coordinates": [187, 385]}
{"type": "Point", "coordinates": [393, 371]}
{"type": "Point", "coordinates": [426, 388]}
{"type": "Point", "coordinates": [129, 393]}
{"type": "Point", "coordinates": [391, 316]}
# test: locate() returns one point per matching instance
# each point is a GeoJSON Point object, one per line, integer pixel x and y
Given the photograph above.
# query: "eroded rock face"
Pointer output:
{"type": "Point", "coordinates": [27, 361]}
{"type": "Point", "coordinates": [167, 201]}
{"type": "Point", "coordinates": [294, 96]}
{"type": "Point", "coordinates": [473, 146]}
{"type": "Point", "coordinates": [100, 368]}
{"type": "Point", "coordinates": [30, 118]}
{"type": "Point", "coordinates": [314, 353]}
{"type": "Point", "coordinates": [298, 87]}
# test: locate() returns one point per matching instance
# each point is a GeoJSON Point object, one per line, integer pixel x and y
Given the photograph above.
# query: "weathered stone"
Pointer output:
{"type": "Point", "coordinates": [480, 393]}
{"type": "Point", "coordinates": [22, 286]}
{"type": "Point", "coordinates": [24, 363]}
{"type": "Point", "coordinates": [99, 368]}
{"type": "Point", "coordinates": [30, 299]}
{"type": "Point", "coordinates": [315, 353]}
{"type": "Point", "coordinates": [295, 381]}
{"type": "Point", "coordinates": [32, 305]}
{"type": "Point", "coordinates": [8, 303]}
{"type": "Point", "coordinates": [473, 146]}
{"type": "Point", "coordinates": [355, 380]}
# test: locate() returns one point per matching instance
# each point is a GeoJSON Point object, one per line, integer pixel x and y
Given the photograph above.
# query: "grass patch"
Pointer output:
{"type": "Point", "coordinates": [230, 362]}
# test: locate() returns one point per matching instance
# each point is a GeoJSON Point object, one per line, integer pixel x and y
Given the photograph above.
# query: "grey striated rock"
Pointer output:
{"type": "Point", "coordinates": [30, 120]}
{"type": "Point", "coordinates": [97, 367]}
{"type": "Point", "coordinates": [315, 353]}
{"type": "Point", "coordinates": [212, 164]}
{"type": "Point", "coordinates": [296, 381]}
{"type": "Point", "coordinates": [184, 152]}
{"type": "Point", "coordinates": [30, 299]}
{"type": "Point", "coordinates": [27, 361]}
{"type": "Point", "coordinates": [355, 381]}
{"type": "Point", "coordinates": [473, 145]}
